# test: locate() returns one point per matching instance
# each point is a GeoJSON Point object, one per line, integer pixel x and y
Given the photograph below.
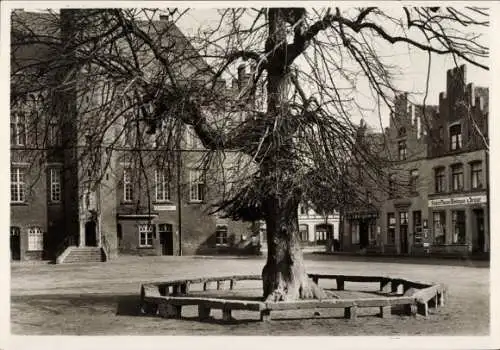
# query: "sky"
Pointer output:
{"type": "Point", "coordinates": [413, 64]}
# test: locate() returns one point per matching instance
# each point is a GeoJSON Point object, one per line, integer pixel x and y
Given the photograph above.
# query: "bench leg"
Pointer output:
{"type": "Point", "coordinates": [265, 315]}
{"type": "Point", "coordinates": [205, 286]}
{"type": "Point", "coordinates": [203, 312]}
{"type": "Point", "coordinates": [185, 288]}
{"type": "Point", "coordinates": [226, 315]}
{"type": "Point", "coordinates": [440, 298]}
{"type": "Point", "coordinates": [170, 311]}
{"type": "Point", "coordinates": [423, 309]}
{"type": "Point", "coordinates": [385, 311]}
{"type": "Point", "coordinates": [340, 284]}
{"type": "Point", "coordinates": [411, 309]}
{"type": "Point", "coordinates": [350, 312]}
{"type": "Point", "coordinates": [219, 285]}
{"type": "Point", "coordinates": [232, 284]}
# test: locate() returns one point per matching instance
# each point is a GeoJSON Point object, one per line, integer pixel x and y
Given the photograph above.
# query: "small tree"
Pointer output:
{"type": "Point", "coordinates": [288, 129]}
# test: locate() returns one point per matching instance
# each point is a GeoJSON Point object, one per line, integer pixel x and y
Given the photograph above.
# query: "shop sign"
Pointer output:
{"type": "Point", "coordinates": [164, 207]}
{"type": "Point", "coordinates": [468, 200]}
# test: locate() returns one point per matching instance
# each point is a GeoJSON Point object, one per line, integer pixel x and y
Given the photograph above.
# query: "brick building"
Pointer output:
{"type": "Point", "coordinates": [58, 209]}
{"type": "Point", "coordinates": [436, 200]}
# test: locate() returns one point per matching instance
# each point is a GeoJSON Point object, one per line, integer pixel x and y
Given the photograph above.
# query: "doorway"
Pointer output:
{"type": "Point", "coordinates": [364, 239]}
{"type": "Point", "coordinates": [15, 243]}
{"type": "Point", "coordinates": [91, 233]}
{"type": "Point", "coordinates": [403, 232]}
{"type": "Point", "coordinates": [166, 234]}
{"type": "Point", "coordinates": [479, 223]}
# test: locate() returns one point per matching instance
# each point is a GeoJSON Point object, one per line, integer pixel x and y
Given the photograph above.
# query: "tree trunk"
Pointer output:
{"type": "Point", "coordinates": [284, 276]}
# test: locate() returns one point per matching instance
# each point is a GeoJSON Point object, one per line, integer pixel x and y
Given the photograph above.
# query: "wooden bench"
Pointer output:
{"type": "Point", "coordinates": [167, 299]}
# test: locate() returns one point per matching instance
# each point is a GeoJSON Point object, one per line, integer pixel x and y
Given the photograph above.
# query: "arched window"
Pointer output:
{"type": "Point", "coordinates": [455, 137]}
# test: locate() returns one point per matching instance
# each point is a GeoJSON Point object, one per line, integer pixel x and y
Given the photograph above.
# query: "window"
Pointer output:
{"type": "Point", "coordinates": [439, 226]}
{"type": "Point", "coordinates": [323, 233]}
{"type": "Point", "coordinates": [354, 232]}
{"type": "Point", "coordinates": [391, 228]}
{"type": "Point", "coordinates": [128, 192]}
{"type": "Point", "coordinates": [413, 180]}
{"type": "Point", "coordinates": [303, 233]}
{"type": "Point", "coordinates": [457, 177]}
{"type": "Point", "coordinates": [392, 185]}
{"type": "Point", "coordinates": [55, 185]}
{"type": "Point", "coordinates": [193, 142]}
{"type": "Point", "coordinates": [402, 149]}
{"type": "Point", "coordinates": [302, 210]}
{"type": "Point", "coordinates": [35, 239]}
{"type": "Point", "coordinates": [162, 187]}
{"type": "Point", "coordinates": [221, 235]}
{"type": "Point", "coordinates": [18, 130]}
{"type": "Point", "coordinates": [17, 185]}
{"type": "Point", "coordinates": [458, 226]}
{"type": "Point", "coordinates": [439, 180]}
{"type": "Point", "coordinates": [455, 137]}
{"type": "Point", "coordinates": [475, 175]}
{"type": "Point", "coordinates": [197, 186]}
{"type": "Point", "coordinates": [403, 218]}
{"type": "Point", "coordinates": [145, 235]}
{"type": "Point", "coordinates": [53, 135]}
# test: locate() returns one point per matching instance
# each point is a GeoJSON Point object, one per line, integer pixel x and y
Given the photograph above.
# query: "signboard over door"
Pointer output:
{"type": "Point", "coordinates": [468, 200]}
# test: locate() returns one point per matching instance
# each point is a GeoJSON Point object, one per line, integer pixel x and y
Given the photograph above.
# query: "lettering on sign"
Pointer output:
{"type": "Point", "coordinates": [164, 207]}
{"type": "Point", "coordinates": [457, 201]}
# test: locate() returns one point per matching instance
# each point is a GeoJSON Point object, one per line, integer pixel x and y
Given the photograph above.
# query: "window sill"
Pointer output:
{"type": "Point", "coordinates": [19, 204]}
{"type": "Point", "coordinates": [167, 201]}
{"type": "Point", "coordinates": [55, 202]}
{"type": "Point", "coordinates": [145, 247]}
{"type": "Point", "coordinates": [193, 201]}
{"type": "Point", "coordinates": [35, 250]}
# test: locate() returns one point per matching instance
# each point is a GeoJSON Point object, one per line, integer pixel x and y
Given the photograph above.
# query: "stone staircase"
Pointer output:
{"type": "Point", "coordinates": [74, 254]}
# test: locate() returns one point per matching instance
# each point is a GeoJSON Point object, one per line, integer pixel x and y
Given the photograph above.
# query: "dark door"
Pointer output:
{"type": "Point", "coordinates": [480, 230]}
{"type": "Point", "coordinates": [15, 243]}
{"type": "Point", "coordinates": [363, 234]}
{"type": "Point", "coordinates": [166, 239]}
{"type": "Point", "coordinates": [403, 230]}
{"type": "Point", "coordinates": [91, 234]}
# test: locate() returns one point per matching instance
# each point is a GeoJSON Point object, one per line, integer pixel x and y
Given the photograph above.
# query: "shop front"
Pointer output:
{"type": "Point", "coordinates": [363, 231]}
{"type": "Point", "coordinates": [459, 224]}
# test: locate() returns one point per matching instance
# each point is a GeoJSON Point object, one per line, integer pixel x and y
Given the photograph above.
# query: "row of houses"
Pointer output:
{"type": "Point", "coordinates": [437, 195]}
{"type": "Point", "coordinates": [153, 202]}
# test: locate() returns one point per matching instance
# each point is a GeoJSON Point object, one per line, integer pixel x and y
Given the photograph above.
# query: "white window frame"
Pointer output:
{"type": "Point", "coordinates": [18, 130]}
{"type": "Point", "coordinates": [456, 139]}
{"type": "Point", "coordinates": [196, 185]}
{"type": "Point", "coordinates": [457, 177]}
{"type": "Point", "coordinates": [145, 235]}
{"type": "Point", "coordinates": [35, 239]}
{"type": "Point", "coordinates": [221, 235]}
{"type": "Point", "coordinates": [476, 171]}
{"type": "Point", "coordinates": [162, 186]}
{"type": "Point", "coordinates": [18, 183]}
{"type": "Point", "coordinates": [128, 190]}
{"type": "Point", "coordinates": [55, 175]}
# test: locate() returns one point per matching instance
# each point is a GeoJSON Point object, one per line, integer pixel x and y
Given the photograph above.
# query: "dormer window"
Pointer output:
{"type": "Point", "coordinates": [455, 137]}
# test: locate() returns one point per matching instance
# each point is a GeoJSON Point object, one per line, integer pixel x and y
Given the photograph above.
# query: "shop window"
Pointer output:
{"type": "Point", "coordinates": [145, 235]}
{"type": "Point", "coordinates": [458, 226]}
{"type": "Point", "coordinates": [475, 175]}
{"type": "Point", "coordinates": [439, 226]}
{"type": "Point", "coordinates": [391, 228]}
{"type": "Point", "coordinates": [323, 233]}
{"type": "Point", "coordinates": [221, 236]}
{"type": "Point", "coordinates": [35, 239]}
{"type": "Point", "coordinates": [439, 180]}
{"type": "Point", "coordinates": [457, 177]}
{"type": "Point", "coordinates": [455, 137]}
{"type": "Point", "coordinates": [417, 227]}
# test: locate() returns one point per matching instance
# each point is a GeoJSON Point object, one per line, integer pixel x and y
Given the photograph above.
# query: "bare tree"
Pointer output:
{"type": "Point", "coordinates": [283, 135]}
